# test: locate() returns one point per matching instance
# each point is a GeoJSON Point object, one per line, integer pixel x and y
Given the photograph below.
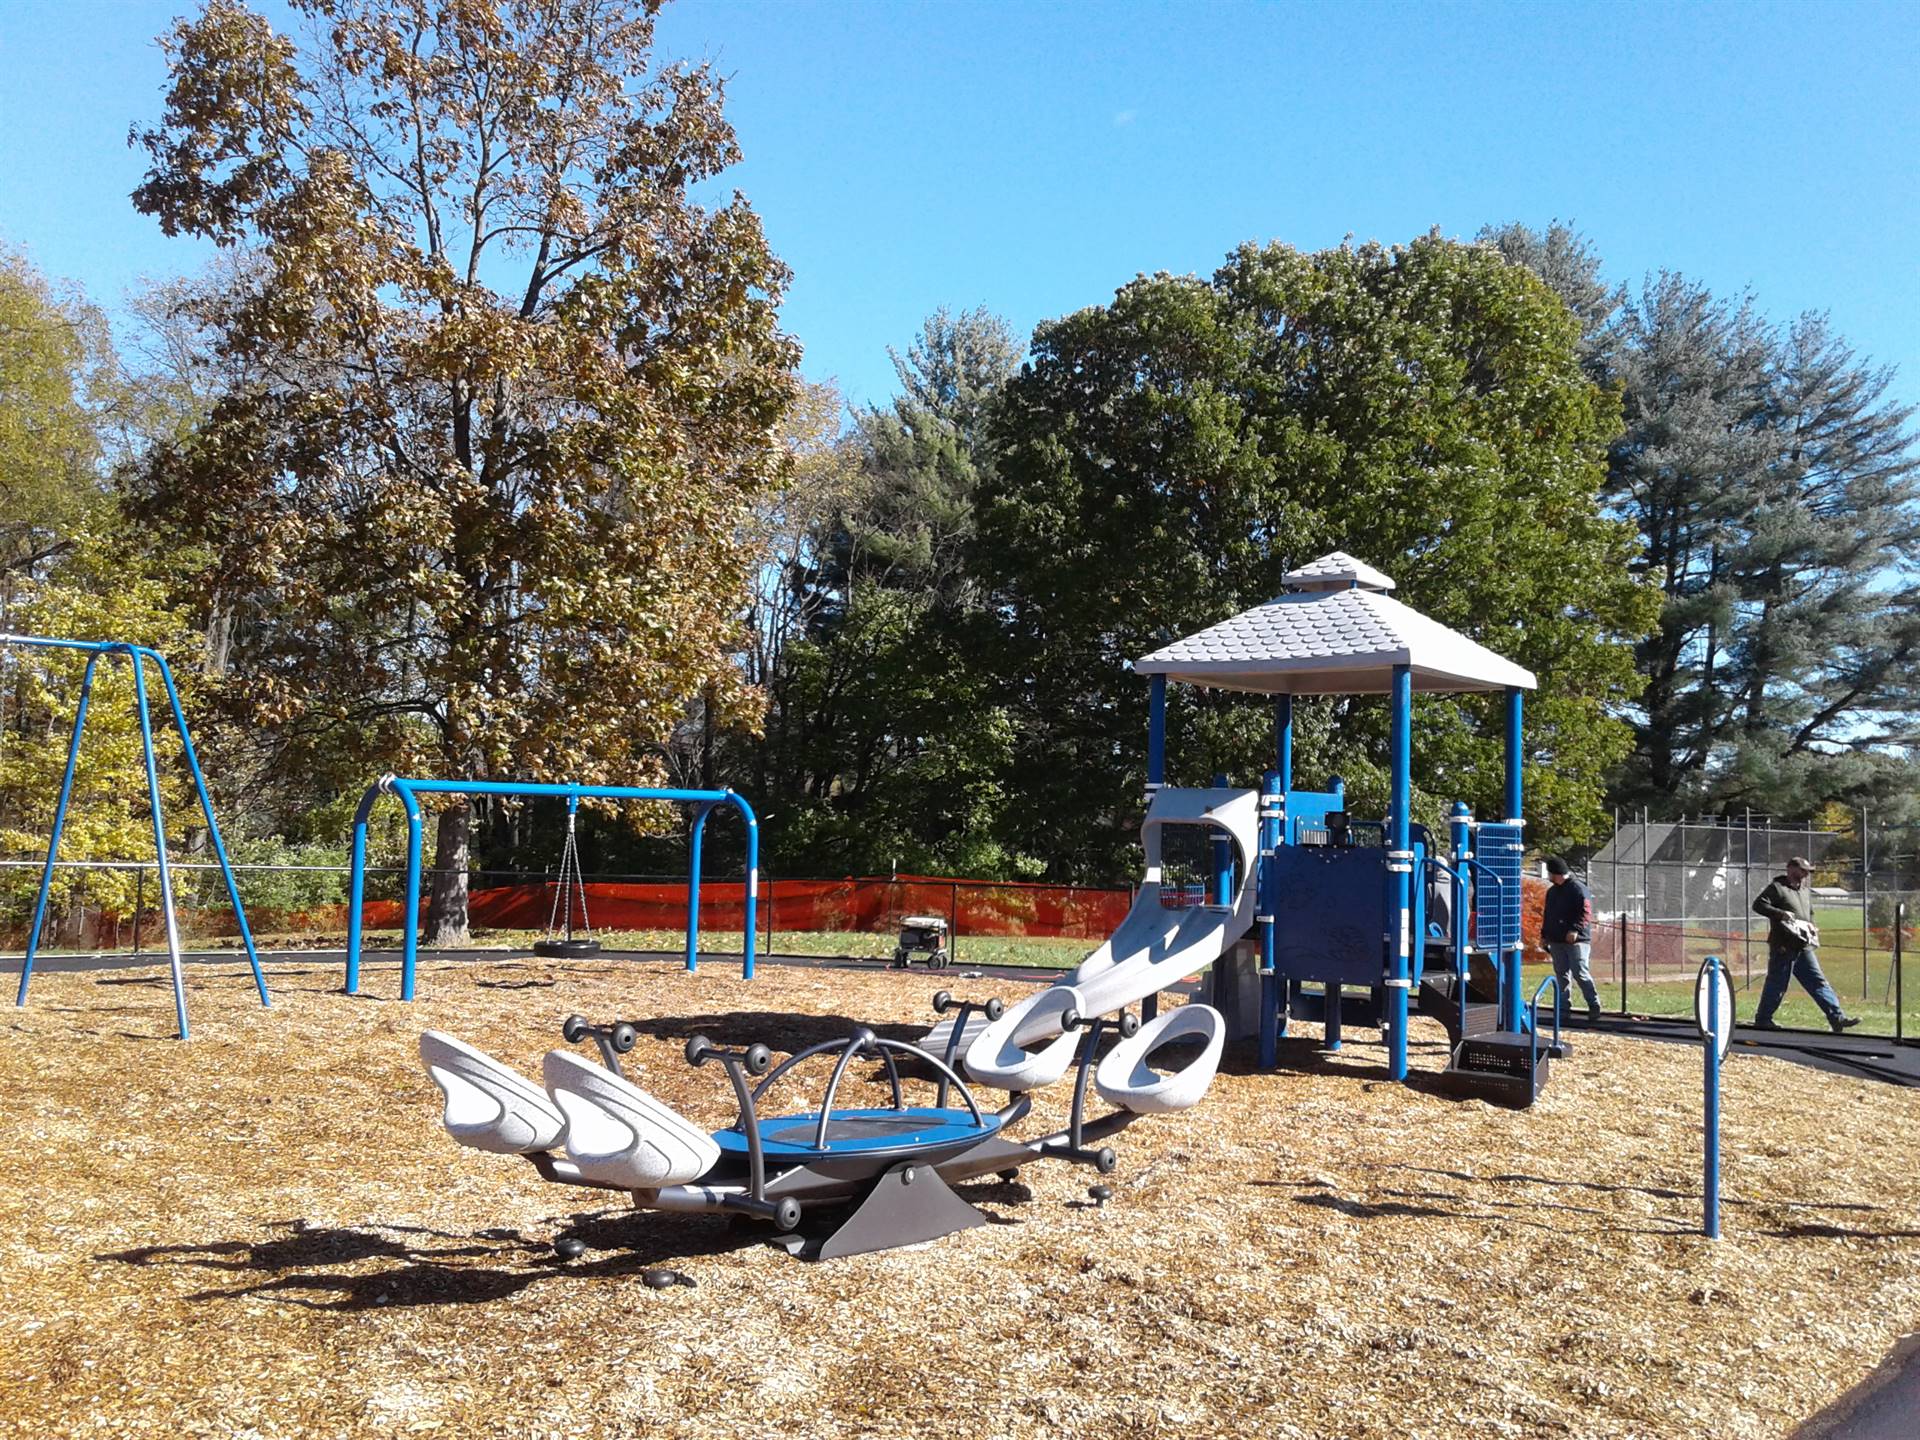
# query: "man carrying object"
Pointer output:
{"type": "Point", "coordinates": [1566, 929]}
{"type": "Point", "coordinates": [1792, 939]}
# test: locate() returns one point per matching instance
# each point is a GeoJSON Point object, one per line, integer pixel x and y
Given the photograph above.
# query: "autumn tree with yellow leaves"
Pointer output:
{"type": "Point", "coordinates": [512, 382]}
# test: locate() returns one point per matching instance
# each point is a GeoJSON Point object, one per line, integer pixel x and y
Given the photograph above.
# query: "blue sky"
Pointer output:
{"type": "Point", "coordinates": [1031, 158]}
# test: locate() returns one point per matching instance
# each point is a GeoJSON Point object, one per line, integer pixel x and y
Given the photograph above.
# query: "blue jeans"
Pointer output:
{"type": "Point", "coordinates": [1785, 966]}
{"type": "Point", "coordinates": [1570, 962]}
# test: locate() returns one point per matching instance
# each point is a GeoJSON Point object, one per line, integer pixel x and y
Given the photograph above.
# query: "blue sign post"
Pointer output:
{"type": "Point", "coordinates": [1713, 1014]}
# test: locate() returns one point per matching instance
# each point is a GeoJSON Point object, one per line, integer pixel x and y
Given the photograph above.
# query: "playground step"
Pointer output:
{"type": "Point", "coordinates": [1439, 999]}
{"type": "Point", "coordinates": [1502, 1067]}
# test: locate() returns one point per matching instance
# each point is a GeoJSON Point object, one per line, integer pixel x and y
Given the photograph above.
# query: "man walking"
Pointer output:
{"type": "Point", "coordinates": [1791, 941]}
{"type": "Point", "coordinates": [1566, 929]}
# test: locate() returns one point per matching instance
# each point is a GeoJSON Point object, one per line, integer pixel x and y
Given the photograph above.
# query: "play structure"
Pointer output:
{"type": "Point", "coordinates": [704, 802]}
{"type": "Point", "coordinates": [1336, 907]}
{"type": "Point", "coordinates": [138, 657]}
{"type": "Point", "coordinates": [884, 1175]}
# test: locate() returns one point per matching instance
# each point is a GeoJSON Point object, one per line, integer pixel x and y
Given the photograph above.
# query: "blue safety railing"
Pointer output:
{"type": "Point", "coordinates": [137, 657]}
{"type": "Point", "coordinates": [407, 790]}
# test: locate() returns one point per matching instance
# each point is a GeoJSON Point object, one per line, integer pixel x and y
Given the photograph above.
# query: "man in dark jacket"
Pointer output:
{"type": "Point", "coordinates": [1791, 941]}
{"type": "Point", "coordinates": [1566, 929]}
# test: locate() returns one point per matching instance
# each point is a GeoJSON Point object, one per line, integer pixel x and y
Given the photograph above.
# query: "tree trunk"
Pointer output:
{"type": "Point", "coordinates": [447, 915]}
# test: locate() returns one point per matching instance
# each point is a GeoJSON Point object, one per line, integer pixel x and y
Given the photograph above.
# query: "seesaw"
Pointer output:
{"type": "Point", "coordinates": [887, 1173]}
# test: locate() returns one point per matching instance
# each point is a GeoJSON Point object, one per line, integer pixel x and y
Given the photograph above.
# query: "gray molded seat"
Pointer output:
{"type": "Point", "coordinates": [619, 1135]}
{"type": "Point", "coordinates": [1127, 1080]}
{"type": "Point", "coordinates": [999, 1055]}
{"type": "Point", "coordinates": [488, 1106]}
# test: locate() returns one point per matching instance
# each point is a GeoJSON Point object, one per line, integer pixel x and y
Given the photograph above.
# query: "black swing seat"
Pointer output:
{"type": "Point", "coordinates": [559, 949]}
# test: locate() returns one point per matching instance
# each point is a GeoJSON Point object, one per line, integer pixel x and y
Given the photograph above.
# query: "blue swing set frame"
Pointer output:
{"type": "Point", "coordinates": [407, 792]}
{"type": "Point", "coordinates": [137, 656]}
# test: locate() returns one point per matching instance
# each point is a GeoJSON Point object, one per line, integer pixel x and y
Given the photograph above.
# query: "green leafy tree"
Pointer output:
{"type": "Point", "coordinates": [1165, 458]}
{"type": "Point", "coordinates": [505, 391]}
{"type": "Point", "coordinates": [884, 746]}
{"type": "Point", "coordinates": [96, 590]}
{"type": "Point", "coordinates": [1773, 483]}
{"type": "Point", "coordinates": [56, 371]}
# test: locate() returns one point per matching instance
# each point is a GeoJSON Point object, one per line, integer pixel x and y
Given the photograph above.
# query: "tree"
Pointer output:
{"type": "Point", "coordinates": [505, 392]}
{"type": "Point", "coordinates": [1774, 488]}
{"type": "Point", "coordinates": [95, 590]}
{"type": "Point", "coordinates": [1165, 458]}
{"type": "Point", "coordinates": [883, 746]}
{"type": "Point", "coordinates": [1687, 470]}
{"type": "Point", "coordinates": [56, 368]}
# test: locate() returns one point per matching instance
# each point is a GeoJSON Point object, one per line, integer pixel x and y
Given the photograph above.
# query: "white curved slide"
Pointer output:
{"type": "Point", "coordinates": [1154, 947]}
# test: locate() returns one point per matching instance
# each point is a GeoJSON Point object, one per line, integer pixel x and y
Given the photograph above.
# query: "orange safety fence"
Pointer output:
{"type": "Point", "coordinates": [872, 905]}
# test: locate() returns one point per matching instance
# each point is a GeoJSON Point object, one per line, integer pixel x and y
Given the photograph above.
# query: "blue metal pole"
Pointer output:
{"type": "Point", "coordinates": [1713, 1099]}
{"type": "Point", "coordinates": [213, 825]}
{"type": "Point", "coordinates": [1516, 706]}
{"type": "Point", "coordinates": [410, 937]}
{"type": "Point", "coordinates": [357, 886]}
{"type": "Point", "coordinates": [1272, 813]}
{"type": "Point", "coordinates": [356, 898]}
{"type": "Point", "coordinates": [1460, 836]}
{"type": "Point", "coordinates": [1400, 867]}
{"type": "Point", "coordinates": [59, 824]}
{"type": "Point", "coordinates": [693, 889]}
{"type": "Point", "coordinates": [750, 920]}
{"type": "Point", "coordinates": [160, 840]}
{"type": "Point", "coordinates": [1283, 741]}
{"type": "Point", "coordinates": [1511, 962]}
{"type": "Point", "coordinates": [1222, 857]}
{"type": "Point", "coordinates": [1156, 733]}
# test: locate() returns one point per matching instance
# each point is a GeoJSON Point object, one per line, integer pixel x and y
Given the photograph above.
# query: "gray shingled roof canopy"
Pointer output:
{"type": "Point", "coordinates": [1333, 642]}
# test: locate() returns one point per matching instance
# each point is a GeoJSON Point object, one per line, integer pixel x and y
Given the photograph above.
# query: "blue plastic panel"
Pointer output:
{"type": "Point", "coordinates": [1330, 914]}
{"type": "Point", "coordinates": [1307, 815]}
{"type": "Point", "coordinates": [1496, 908]}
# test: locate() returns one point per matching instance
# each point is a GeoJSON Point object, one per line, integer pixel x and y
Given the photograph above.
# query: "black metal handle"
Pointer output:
{"type": "Point", "coordinates": [614, 1040]}
{"type": "Point", "coordinates": [756, 1058]}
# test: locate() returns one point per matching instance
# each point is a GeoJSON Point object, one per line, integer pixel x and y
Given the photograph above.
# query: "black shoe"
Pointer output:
{"type": "Point", "coordinates": [1842, 1022]}
{"type": "Point", "coordinates": [1593, 1017]}
{"type": "Point", "coordinates": [1764, 1025]}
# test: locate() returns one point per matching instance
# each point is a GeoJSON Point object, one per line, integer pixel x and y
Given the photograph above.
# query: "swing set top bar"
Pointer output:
{"type": "Point", "coordinates": [98, 647]}
{"type": "Point", "coordinates": [408, 789]}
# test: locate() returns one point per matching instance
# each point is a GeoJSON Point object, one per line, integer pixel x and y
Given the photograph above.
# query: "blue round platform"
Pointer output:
{"type": "Point", "coordinates": [896, 1134]}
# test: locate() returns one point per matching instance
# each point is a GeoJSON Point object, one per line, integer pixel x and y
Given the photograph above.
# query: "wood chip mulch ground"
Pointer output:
{"type": "Point", "coordinates": [264, 1232]}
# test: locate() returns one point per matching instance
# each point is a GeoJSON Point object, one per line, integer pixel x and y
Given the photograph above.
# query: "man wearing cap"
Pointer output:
{"type": "Point", "coordinates": [1566, 929]}
{"type": "Point", "coordinates": [1791, 939]}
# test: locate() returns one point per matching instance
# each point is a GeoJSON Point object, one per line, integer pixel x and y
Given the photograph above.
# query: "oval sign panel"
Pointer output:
{"type": "Point", "coordinates": [1714, 976]}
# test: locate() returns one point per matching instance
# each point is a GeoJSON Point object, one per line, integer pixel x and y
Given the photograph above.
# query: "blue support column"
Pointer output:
{"type": "Point", "coordinates": [750, 922]}
{"type": "Point", "coordinates": [410, 935]}
{"type": "Point", "coordinates": [1272, 989]}
{"type": "Point", "coordinates": [357, 892]}
{"type": "Point", "coordinates": [1156, 733]}
{"type": "Point", "coordinates": [1460, 835]}
{"type": "Point", "coordinates": [693, 888]}
{"type": "Point", "coordinates": [1283, 741]}
{"type": "Point", "coordinates": [161, 863]}
{"type": "Point", "coordinates": [59, 824]}
{"type": "Point", "coordinates": [1400, 868]}
{"type": "Point", "coordinates": [1516, 710]}
{"type": "Point", "coordinates": [1512, 977]}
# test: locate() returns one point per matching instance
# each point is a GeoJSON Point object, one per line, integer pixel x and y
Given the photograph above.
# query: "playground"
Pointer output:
{"type": "Point", "coordinates": [265, 1231]}
{"type": "Point", "coordinates": [1358, 1206]}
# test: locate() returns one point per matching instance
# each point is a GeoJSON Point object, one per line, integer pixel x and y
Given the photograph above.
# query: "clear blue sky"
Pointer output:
{"type": "Point", "coordinates": [1033, 157]}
